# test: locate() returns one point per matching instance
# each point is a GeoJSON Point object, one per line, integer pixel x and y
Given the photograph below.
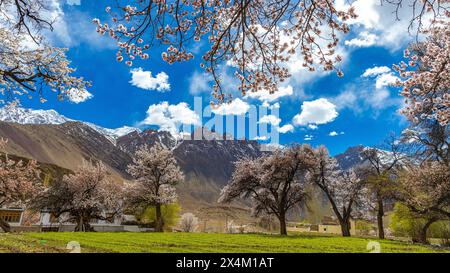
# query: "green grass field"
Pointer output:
{"type": "Point", "coordinates": [195, 242]}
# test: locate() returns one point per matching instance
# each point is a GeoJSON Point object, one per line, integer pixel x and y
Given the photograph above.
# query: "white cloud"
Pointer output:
{"type": "Point", "coordinates": [275, 122]}
{"type": "Point", "coordinates": [380, 20]}
{"type": "Point", "coordinates": [349, 98]}
{"type": "Point", "coordinates": [276, 105]}
{"type": "Point", "coordinates": [199, 82]}
{"type": "Point", "coordinates": [169, 117]}
{"type": "Point", "coordinates": [261, 138]}
{"type": "Point", "coordinates": [270, 119]}
{"type": "Point", "coordinates": [313, 126]}
{"type": "Point", "coordinates": [300, 76]}
{"type": "Point", "coordinates": [272, 147]}
{"type": "Point", "coordinates": [78, 96]}
{"type": "Point", "coordinates": [265, 95]}
{"type": "Point", "coordinates": [364, 39]}
{"type": "Point", "coordinates": [236, 107]}
{"type": "Point", "coordinates": [74, 2]}
{"type": "Point", "coordinates": [316, 112]}
{"type": "Point", "coordinates": [334, 133]}
{"type": "Point", "coordinates": [145, 80]}
{"type": "Point", "coordinates": [363, 96]}
{"type": "Point", "coordinates": [384, 76]}
{"type": "Point", "coordinates": [286, 128]}
{"type": "Point", "coordinates": [378, 98]}
{"type": "Point", "coordinates": [55, 14]}
{"type": "Point", "coordinates": [376, 70]}
{"type": "Point", "coordinates": [386, 80]}
{"type": "Point", "coordinates": [308, 137]}
{"type": "Point", "coordinates": [73, 27]}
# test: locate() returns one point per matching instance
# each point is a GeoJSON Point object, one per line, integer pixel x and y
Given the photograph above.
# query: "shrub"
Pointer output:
{"type": "Point", "coordinates": [188, 222]}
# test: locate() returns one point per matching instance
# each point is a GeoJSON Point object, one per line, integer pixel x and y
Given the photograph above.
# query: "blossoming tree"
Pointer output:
{"type": "Point", "coordinates": [426, 76]}
{"type": "Point", "coordinates": [88, 194]}
{"type": "Point", "coordinates": [156, 173]}
{"type": "Point", "coordinates": [257, 38]}
{"type": "Point", "coordinates": [19, 182]}
{"type": "Point", "coordinates": [380, 171]}
{"type": "Point", "coordinates": [425, 190]}
{"type": "Point", "coordinates": [275, 183]}
{"type": "Point", "coordinates": [27, 61]}
{"type": "Point", "coordinates": [345, 191]}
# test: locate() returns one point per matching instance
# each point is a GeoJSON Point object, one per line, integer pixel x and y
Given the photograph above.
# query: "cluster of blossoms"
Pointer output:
{"type": "Point", "coordinates": [426, 76]}
{"type": "Point", "coordinates": [426, 188]}
{"type": "Point", "coordinates": [19, 180]}
{"type": "Point", "coordinates": [27, 62]}
{"type": "Point", "coordinates": [256, 37]}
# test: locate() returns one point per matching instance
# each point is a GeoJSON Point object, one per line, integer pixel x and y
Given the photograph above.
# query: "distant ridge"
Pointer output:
{"type": "Point", "coordinates": [30, 116]}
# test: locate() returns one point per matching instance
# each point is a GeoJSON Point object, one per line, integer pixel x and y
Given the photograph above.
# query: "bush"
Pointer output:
{"type": "Point", "coordinates": [170, 214]}
{"type": "Point", "coordinates": [405, 224]}
{"type": "Point", "coordinates": [188, 222]}
{"type": "Point", "coordinates": [364, 227]}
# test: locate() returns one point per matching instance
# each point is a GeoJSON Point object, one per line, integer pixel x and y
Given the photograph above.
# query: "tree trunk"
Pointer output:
{"type": "Point", "coordinates": [83, 225]}
{"type": "Point", "coordinates": [159, 219]}
{"type": "Point", "coordinates": [282, 219]}
{"type": "Point", "coordinates": [4, 225]}
{"type": "Point", "coordinates": [423, 231]}
{"type": "Point", "coordinates": [345, 227]}
{"type": "Point", "coordinates": [380, 215]}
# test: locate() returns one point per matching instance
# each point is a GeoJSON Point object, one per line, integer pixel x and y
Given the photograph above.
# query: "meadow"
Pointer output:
{"type": "Point", "coordinates": [197, 243]}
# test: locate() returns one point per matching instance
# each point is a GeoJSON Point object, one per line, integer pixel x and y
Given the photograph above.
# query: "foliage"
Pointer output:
{"type": "Point", "coordinates": [380, 173]}
{"type": "Point", "coordinates": [169, 213]}
{"type": "Point", "coordinates": [406, 223]}
{"type": "Point", "coordinates": [364, 226]}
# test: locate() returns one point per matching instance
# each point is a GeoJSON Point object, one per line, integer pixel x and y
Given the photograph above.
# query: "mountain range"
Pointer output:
{"type": "Point", "coordinates": [30, 116]}
{"type": "Point", "coordinates": [51, 138]}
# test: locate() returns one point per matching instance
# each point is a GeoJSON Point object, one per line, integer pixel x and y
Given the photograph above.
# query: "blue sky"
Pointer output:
{"type": "Point", "coordinates": [361, 107]}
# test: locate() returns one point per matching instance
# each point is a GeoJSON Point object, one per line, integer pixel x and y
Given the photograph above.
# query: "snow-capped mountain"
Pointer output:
{"type": "Point", "coordinates": [113, 134]}
{"type": "Point", "coordinates": [30, 116]}
{"type": "Point", "coordinates": [354, 156]}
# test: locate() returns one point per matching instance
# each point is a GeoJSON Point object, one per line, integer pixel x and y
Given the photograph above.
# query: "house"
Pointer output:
{"type": "Point", "coordinates": [13, 216]}
{"type": "Point", "coordinates": [328, 225]}
{"type": "Point", "coordinates": [331, 225]}
{"type": "Point", "coordinates": [46, 221]}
